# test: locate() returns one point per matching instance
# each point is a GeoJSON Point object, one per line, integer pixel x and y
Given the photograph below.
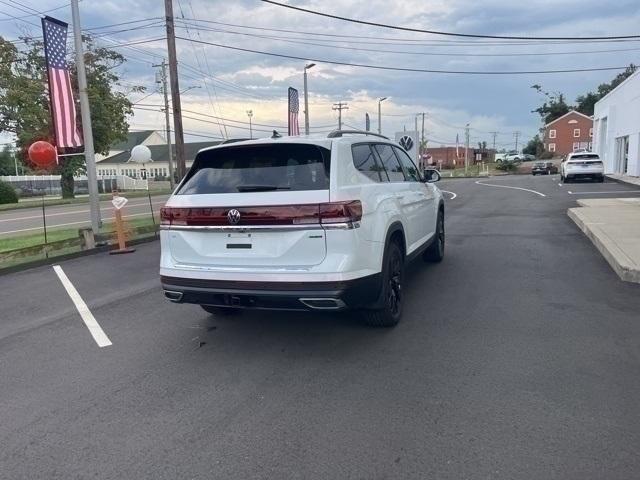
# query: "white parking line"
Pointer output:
{"type": "Point", "coordinates": [453, 195]}
{"type": "Point", "coordinates": [514, 188]}
{"type": "Point", "coordinates": [603, 193]}
{"type": "Point", "coordinates": [89, 320]}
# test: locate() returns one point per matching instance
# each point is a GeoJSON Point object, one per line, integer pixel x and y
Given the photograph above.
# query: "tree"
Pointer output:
{"type": "Point", "coordinates": [553, 107]}
{"type": "Point", "coordinates": [24, 103]}
{"type": "Point", "coordinates": [534, 147]}
{"type": "Point", "coordinates": [7, 165]}
{"type": "Point", "coordinates": [586, 103]}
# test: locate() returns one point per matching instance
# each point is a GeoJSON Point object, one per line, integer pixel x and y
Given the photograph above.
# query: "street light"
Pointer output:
{"type": "Point", "coordinates": [190, 88]}
{"type": "Point", "coordinates": [306, 99]}
{"type": "Point", "coordinates": [250, 114]}
{"type": "Point", "coordinates": [380, 100]}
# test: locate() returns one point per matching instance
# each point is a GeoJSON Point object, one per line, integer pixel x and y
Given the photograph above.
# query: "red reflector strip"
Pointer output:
{"type": "Point", "coordinates": [336, 212]}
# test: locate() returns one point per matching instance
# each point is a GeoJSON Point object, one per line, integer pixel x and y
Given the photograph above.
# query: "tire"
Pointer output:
{"type": "Point", "coordinates": [567, 180]}
{"type": "Point", "coordinates": [600, 180]}
{"type": "Point", "coordinates": [220, 310]}
{"type": "Point", "coordinates": [392, 277]}
{"type": "Point", "coordinates": [435, 252]}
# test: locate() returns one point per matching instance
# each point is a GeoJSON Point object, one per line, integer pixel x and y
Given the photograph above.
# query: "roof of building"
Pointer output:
{"type": "Point", "coordinates": [160, 153]}
{"type": "Point", "coordinates": [569, 113]}
{"type": "Point", "coordinates": [133, 139]}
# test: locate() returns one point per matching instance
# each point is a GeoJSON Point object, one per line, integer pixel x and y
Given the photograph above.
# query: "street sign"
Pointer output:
{"type": "Point", "coordinates": [118, 202]}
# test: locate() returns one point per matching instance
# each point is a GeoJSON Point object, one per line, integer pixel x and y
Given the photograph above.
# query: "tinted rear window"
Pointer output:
{"type": "Point", "coordinates": [365, 162]}
{"type": "Point", "coordinates": [585, 156]}
{"type": "Point", "coordinates": [254, 168]}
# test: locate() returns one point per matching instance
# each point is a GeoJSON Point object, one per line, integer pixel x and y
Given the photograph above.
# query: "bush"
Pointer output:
{"type": "Point", "coordinates": [507, 166]}
{"type": "Point", "coordinates": [546, 155]}
{"type": "Point", "coordinates": [7, 193]}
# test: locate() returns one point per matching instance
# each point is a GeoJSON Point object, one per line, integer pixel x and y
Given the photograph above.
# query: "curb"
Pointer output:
{"type": "Point", "coordinates": [69, 256]}
{"type": "Point", "coordinates": [621, 181]}
{"type": "Point", "coordinates": [623, 270]}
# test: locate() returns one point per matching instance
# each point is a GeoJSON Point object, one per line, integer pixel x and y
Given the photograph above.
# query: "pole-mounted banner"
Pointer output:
{"type": "Point", "coordinates": [294, 108]}
{"type": "Point", "coordinates": [63, 109]}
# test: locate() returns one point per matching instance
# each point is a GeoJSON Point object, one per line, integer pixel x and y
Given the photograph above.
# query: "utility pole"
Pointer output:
{"type": "Point", "coordinates": [250, 114]}
{"type": "Point", "coordinates": [380, 100]}
{"type": "Point", "coordinates": [422, 140]}
{"type": "Point", "coordinates": [339, 107]}
{"type": "Point", "coordinates": [306, 99]}
{"type": "Point", "coordinates": [495, 134]}
{"type": "Point", "coordinates": [516, 134]}
{"type": "Point", "coordinates": [175, 89]}
{"type": "Point", "coordinates": [466, 148]}
{"type": "Point", "coordinates": [167, 124]}
{"type": "Point", "coordinates": [417, 140]}
{"type": "Point", "coordinates": [87, 132]}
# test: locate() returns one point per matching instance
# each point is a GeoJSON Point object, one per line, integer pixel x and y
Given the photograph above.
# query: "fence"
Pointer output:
{"type": "Point", "coordinates": [37, 185]}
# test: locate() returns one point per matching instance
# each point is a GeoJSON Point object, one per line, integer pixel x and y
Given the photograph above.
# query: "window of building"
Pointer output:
{"type": "Point", "coordinates": [552, 133]}
{"type": "Point", "coordinates": [576, 133]}
{"type": "Point", "coordinates": [590, 132]}
{"type": "Point", "coordinates": [552, 147]}
{"type": "Point", "coordinates": [365, 162]}
{"type": "Point", "coordinates": [390, 163]}
{"type": "Point", "coordinates": [576, 146]}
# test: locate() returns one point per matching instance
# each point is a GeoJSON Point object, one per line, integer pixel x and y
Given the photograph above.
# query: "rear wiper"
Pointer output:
{"type": "Point", "coordinates": [260, 188]}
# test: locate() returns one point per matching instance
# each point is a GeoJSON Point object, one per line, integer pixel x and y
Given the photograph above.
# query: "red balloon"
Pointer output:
{"type": "Point", "coordinates": [43, 154]}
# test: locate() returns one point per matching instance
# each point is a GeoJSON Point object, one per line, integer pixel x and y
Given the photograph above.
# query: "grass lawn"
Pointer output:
{"type": "Point", "coordinates": [54, 235]}
{"type": "Point", "coordinates": [70, 201]}
{"type": "Point", "coordinates": [475, 170]}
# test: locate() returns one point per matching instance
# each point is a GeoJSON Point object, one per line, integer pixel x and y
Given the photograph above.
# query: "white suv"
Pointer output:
{"type": "Point", "coordinates": [300, 223]}
{"type": "Point", "coordinates": [582, 165]}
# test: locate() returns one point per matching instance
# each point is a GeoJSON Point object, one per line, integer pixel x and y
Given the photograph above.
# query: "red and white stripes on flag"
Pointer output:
{"type": "Point", "coordinates": [63, 108]}
{"type": "Point", "coordinates": [294, 108]}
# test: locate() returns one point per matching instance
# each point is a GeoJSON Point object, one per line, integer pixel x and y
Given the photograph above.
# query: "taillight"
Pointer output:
{"type": "Point", "coordinates": [334, 212]}
{"type": "Point", "coordinates": [341, 212]}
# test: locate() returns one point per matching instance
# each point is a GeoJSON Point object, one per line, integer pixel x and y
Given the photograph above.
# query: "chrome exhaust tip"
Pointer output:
{"type": "Point", "coordinates": [173, 296]}
{"type": "Point", "coordinates": [323, 303]}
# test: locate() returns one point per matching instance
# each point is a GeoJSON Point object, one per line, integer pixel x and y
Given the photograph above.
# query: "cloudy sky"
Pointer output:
{"type": "Point", "coordinates": [225, 83]}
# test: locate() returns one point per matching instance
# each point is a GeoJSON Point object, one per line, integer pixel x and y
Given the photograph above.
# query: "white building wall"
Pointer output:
{"type": "Point", "coordinates": [616, 116]}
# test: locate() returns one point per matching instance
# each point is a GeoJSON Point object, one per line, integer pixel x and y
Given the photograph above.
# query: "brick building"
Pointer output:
{"type": "Point", "coordinates": [452, 157]}
{"type": "Point", "coordinates": [568, 133]}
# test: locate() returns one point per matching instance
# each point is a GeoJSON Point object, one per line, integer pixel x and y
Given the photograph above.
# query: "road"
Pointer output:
{"type": "Point", "coordinates": [29, 220]}
{"type": "Point", "coordinates": [517, 357]}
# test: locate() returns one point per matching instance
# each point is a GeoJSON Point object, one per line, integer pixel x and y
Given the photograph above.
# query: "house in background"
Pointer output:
{"type": "Point", "coordinates": [116, 162]}
{"type": "Point", "coordinates": [570, 132]}
{"type": "Point", "coordinates": [617, 128]}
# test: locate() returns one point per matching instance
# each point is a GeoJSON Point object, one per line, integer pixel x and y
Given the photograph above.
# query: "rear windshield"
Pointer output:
{"type": "Point", "coordinates": [585, 156]}
{"type": "Point", "coordinates": [259, 168]}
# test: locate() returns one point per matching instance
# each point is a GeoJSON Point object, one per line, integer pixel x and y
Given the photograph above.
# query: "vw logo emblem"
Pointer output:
{"type": "Point", "coordinates": [406, 142]}
{"type": "Point", "coordinates": [233, 216]}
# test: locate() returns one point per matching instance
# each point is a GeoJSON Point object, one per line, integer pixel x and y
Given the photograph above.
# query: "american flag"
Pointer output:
{"type": "Point", "coordinates": [294, 108]}
{"type": "Point", "coordinates": [63, 110]}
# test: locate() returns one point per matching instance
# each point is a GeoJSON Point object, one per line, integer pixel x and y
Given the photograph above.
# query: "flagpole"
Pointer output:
{"type": "Point", "coordinates": [85, 112]}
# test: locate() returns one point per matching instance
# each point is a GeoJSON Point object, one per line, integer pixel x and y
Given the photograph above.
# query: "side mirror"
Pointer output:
{"type": "Point", "coordinates": [431, 175]}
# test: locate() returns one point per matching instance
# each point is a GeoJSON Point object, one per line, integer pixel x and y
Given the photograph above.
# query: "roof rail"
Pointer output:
{"type": "Point", "coordinates": [340, 133]}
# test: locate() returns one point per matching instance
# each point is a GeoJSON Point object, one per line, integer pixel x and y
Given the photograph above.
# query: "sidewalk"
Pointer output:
{"type": "Point", "coordinates": [613, 225]}
{"type": "Point", "coordinates": [624, 179]}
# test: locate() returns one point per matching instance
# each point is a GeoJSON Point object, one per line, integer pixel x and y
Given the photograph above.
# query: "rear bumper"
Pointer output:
{"type": "Point", "coordinates": [584, 175]}
{"type": "Point", "coordinates": [362, 292]}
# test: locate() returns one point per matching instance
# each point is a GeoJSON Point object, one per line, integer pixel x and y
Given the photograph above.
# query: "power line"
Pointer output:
{"type": "Point", "coordinates": [407, 69]}
{"type": "Point", "coordinates": [390, 40]}
{"type": "Point", "coordinates": [34, 14]}
{"type": "Point", "coordinates": [405, 52]}
{"type": "Point", "coordinates": [449, 34]}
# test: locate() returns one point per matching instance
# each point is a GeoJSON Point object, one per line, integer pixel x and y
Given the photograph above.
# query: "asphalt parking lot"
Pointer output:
{"type": "Point", "coordinates": [517, 357]}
